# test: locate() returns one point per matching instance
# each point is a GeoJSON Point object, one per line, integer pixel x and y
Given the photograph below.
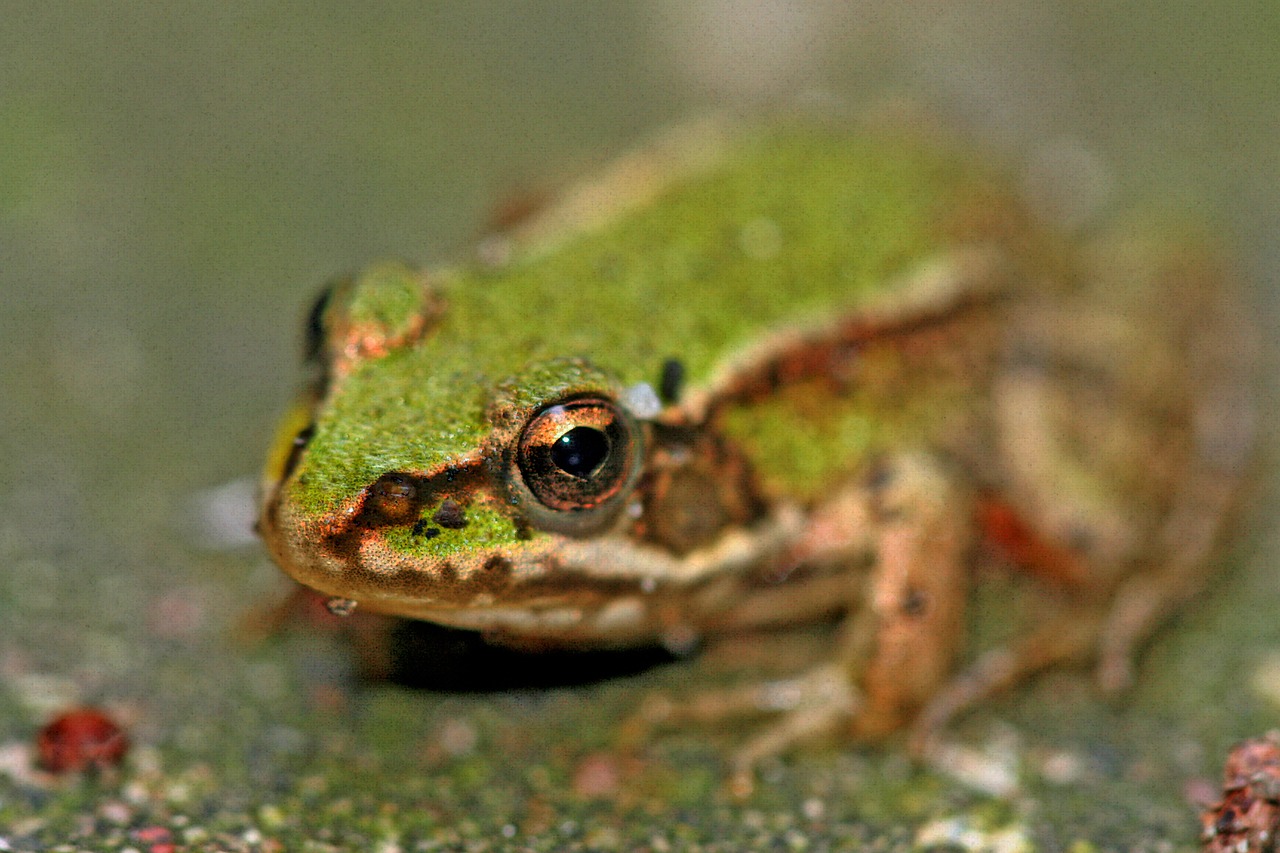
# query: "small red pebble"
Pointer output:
{"type": "Point", "coordinates": [79, 740]}
{"type": "Point", "coordinates": [159, 837]}
{"type": "Point", "coordinates": [153, 834]}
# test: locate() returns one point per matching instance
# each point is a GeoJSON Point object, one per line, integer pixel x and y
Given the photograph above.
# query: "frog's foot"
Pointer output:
{"type": "Point", "coordinates": [1222, 437]}
{"type": "Point", "coordinates": [814, 705]}
{"type": "Point", "coordinates": [1089, 631]}
{"type": "Point", "coordinates": [1185, 548]}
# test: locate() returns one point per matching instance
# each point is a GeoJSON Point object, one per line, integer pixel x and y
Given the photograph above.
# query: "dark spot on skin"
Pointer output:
{"type": "Point", "coordinates": [400, 498]}
{"type": "Point", "coordinates": [672, 380]}
{"type": "Point", "coordinates": [450, 515]}
{"type": "Point", "coordinates": [880, 476]}
{"type": "Point", "coordinates": [523, 532]}
{"type": "Point", "coordinates": [448, 573]}
{"type": "Point", "coordinates": [1081, 539]}
{"type": "Point", "coordinates": [914, 604]}
{"type": "Point", "coordinates": [420, 529]}
{"type": "Point", "coordinates": [773, 374]}
{"type": "Point", "coordinates": [496, 574]}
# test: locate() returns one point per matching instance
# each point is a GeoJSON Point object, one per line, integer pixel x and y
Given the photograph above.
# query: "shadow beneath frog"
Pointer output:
{"type": "Point", "coordinates": [426, 656]}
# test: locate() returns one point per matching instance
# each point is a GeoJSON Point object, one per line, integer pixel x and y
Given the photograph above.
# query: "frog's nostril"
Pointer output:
{"type": "Point", "coordinates": [450, 515]}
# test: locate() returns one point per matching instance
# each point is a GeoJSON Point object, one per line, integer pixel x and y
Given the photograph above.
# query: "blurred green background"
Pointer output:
{"type": "Point", "coordinates": [175, 182]}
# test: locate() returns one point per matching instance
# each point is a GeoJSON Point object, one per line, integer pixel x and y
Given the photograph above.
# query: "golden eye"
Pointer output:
{"type": "Point", "coordinates": [578, 455]}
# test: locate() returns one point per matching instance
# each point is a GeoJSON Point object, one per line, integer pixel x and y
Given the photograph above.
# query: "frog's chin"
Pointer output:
{"type": "Point", "coordinates": [623, 621]}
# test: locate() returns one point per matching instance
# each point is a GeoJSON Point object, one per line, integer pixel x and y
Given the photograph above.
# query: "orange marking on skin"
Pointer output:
{"type": "Point", "coordinates": [1004, 527]}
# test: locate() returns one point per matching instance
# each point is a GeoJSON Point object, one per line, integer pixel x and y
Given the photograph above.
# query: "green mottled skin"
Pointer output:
{"type": "Point", "coordinates": [385, 298]}
{"type": "Point", "coordinates": [804, 442]}
{"type": "Point", "coordinates": [675, 278]}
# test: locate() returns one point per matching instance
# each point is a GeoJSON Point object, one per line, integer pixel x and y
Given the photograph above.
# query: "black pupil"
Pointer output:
{"type": "Point", "coordinates": [580, 451]}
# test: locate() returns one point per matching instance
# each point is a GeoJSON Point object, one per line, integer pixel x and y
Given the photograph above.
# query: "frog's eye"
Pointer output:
{"type": "Point", "coordinates": [578, 456]}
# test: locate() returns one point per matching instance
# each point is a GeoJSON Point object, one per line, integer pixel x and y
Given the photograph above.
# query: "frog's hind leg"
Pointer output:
{"type": "Point", "coordinates": [1125, 438]}
{"type": "Point", "coordinates": [1066, 637]}
{"type": "Point", "coordinates": [1221, 452]}
{"type": "Point", "coordinates": [1091, 628]}
{"type": "Point", "coordinates": [1088, 627]}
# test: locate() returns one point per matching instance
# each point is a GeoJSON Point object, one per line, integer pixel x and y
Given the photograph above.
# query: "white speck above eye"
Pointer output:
{"type": "Point", "coordinates": [642, 401]}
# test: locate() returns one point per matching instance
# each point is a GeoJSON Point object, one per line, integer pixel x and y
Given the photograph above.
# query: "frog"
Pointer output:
{"type": "Point", "coordinates": [759, 374]}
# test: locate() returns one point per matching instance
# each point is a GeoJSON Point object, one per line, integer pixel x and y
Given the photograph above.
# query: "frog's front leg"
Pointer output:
{"type": "Point", "coordinates": [900, 644]}
{"type": "Point", "coordinates": [912, 518]}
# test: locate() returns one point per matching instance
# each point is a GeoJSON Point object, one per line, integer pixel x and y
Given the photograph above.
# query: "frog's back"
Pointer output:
{"type": "Point", "coordinates": [786, 226]}
{"type": "Point", "coordinates": [773, 229]}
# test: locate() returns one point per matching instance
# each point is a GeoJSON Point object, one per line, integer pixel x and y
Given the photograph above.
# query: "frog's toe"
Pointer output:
{"type": "Point", "coordinates": [1071, 636]}
{"type": "Point", "coordinates": [816, 704]}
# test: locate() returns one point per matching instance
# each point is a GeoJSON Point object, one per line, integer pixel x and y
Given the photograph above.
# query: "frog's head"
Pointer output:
{"type": "Point", "coordinates": [421, 476]}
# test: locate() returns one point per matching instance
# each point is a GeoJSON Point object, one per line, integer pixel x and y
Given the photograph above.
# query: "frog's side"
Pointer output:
{"type": "Point", "coordinates": [763, 377]}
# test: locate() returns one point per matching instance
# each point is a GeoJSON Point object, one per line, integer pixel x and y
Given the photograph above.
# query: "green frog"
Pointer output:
{"type": "Point", "coordinates": [755, 376]}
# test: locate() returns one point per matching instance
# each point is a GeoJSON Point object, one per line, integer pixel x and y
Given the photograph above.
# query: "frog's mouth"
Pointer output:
{"type": "Point", "coordinates": [496, 576]}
